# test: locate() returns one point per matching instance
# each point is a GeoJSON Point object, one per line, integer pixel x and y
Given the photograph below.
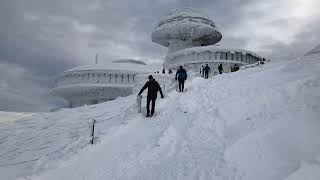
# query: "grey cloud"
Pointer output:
{"type": "Point", "coordinates": [20, 90]}
{"type": "Point", "coordinates": [46, 37]}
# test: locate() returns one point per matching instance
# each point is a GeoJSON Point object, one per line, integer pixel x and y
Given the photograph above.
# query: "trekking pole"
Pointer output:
{"type": "Point", "coordinates": [176, 85]}
{"type": "Point", "coordinates": [139, 98]}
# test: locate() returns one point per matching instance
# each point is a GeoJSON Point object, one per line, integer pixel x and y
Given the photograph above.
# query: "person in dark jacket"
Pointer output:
{"type": "Point", "coordinates": [220, 68]}
{"type": "Point", "coordinates": [206, 70]}
{"type": "Point", "coordinates": [181, 76]}
{"type": "Point", "coordinates": [153, 88]}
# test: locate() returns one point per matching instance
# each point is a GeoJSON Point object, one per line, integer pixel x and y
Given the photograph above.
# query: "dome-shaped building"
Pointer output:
{"type": "Point", "coordinates": [95, 83]}
{"type": "Point", "coordinates": [190, 37]}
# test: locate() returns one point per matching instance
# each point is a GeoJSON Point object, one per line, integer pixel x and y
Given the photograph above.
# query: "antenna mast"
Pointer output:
{"type": "Point", "coordinates": [97, 58]}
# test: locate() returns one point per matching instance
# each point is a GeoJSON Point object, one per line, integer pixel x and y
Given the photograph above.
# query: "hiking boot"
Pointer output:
{"type": "Point", "coordinates": [147, 115]}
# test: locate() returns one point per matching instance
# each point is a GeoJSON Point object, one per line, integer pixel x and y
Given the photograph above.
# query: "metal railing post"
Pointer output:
{"type": "Point", "coordinates": [92, 132]}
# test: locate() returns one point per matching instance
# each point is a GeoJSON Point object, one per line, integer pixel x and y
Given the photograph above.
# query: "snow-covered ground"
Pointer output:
{"type": "Point", "coordinates": [12, 116]}
{"type": "Point", "coordinates": [258, 123]}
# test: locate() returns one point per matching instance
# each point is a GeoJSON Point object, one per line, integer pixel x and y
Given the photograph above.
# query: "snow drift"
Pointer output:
{"type": "Point", "coordinates": [258, 123]}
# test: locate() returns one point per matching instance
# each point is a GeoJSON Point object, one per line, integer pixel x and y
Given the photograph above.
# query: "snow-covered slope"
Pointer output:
{"type": "Point", "coordinates": [12, 116]}
{"type": "Point", "coordinates": [259, 123]}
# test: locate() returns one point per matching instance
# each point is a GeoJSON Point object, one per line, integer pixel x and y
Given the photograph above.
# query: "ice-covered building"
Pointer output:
{"type": "Point", "coordinates": [95, 83]}
{"type": "Point", "coordinates": [191, 37]}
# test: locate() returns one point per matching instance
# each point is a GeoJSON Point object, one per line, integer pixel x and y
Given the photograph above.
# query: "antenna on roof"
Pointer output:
{"type": "Point", "coordinates": [97, 58]}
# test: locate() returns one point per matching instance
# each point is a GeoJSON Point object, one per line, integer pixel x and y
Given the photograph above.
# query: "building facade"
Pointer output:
{"type": "Point", "coordinates": [96, 83]}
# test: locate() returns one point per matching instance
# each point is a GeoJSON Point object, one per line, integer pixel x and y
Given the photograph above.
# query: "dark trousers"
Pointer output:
{"type": "Point", "coordinates": [153, 103]}
{"type": "Point", "coordinates": [181, 84]}
{"type": "Point", "coordinates": [206, 74]}
{"type": "Point", "coordinates": [220, 71]}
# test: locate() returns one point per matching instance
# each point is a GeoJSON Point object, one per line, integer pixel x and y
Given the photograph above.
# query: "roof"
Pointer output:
{"type": "Point", "coordinates": [185, 12]}
{"type": "Point", "coordinates": [118, 65]}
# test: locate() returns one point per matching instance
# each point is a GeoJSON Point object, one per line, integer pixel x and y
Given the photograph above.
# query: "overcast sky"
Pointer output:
{"type": "Point", "coordinates": [41, 38]}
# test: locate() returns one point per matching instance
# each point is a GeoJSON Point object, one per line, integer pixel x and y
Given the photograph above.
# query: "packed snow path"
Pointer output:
{"type": "Point", "coordinates": [178, 143]}
{"type": "Point", "coordinates": [260, 123]}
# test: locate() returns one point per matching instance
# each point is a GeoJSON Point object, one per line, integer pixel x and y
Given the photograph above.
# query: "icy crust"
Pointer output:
{"type": "Point", "coordinates": [93, 91]}
{"type": "Point", "coordinates": [186, 30]}
{"type": "Point", "coordinates": [198, 56]}
{"type": "Point", "coordinates": [112, 67]}
{"type": "Point", "coordinates": [211, 48]}
{"type": "Point", "coordinates": [315, 50]}
{"type": "Point", "coordinates": [184, 13]}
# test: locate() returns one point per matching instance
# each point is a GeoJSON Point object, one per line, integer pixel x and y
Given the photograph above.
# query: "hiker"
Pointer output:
{"type": "Point", "coordinates": [153, 88]}
{"type": "Point", "coordinates": [220, 68]}
{"type": "Point", "coordinates": [181, 76]}
{"type": "Point", "coordinates": [206, 71]}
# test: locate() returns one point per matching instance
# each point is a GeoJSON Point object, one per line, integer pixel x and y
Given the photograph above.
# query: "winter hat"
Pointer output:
{"type": "Point", "coordinates": [150, 77]}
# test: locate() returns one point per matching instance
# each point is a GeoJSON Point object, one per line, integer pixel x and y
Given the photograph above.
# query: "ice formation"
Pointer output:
{"type": "Point", "coordinates": [95, 83]}
{"type": "Point", "coordinates": [190, 37]}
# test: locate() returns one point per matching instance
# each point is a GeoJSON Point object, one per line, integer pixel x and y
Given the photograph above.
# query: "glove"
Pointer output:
{"type": "Point", "coordinates": [162, 97]}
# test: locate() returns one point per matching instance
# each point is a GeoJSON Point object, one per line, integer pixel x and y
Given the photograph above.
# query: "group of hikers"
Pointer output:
{"type": "Point", "coordinates": [153, 88]}
{"type": "Point", "coordinates": [205, 70]}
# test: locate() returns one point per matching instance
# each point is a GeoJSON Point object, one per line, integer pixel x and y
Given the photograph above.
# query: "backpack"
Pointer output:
{"type": "Point", "coordinates": [182, 74]}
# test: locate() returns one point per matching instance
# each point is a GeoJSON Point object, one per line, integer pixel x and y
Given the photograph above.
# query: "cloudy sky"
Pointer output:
{"type": "Point", "coordinates": [40, 38]}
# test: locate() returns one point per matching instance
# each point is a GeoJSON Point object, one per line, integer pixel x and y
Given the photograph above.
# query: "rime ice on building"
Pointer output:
{"type": "Point", "coordinates": [92, 84]}
{"type": "Point", "coordinates": [191, 37]}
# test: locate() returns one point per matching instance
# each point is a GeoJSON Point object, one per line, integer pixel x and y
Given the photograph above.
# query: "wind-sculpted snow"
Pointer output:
{"type": "Point", "coordinates": [38, 142]}
{"type": "Point", "coordinates": [258, 123]}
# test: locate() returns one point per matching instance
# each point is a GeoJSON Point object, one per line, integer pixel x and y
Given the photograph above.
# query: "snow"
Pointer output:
{"type": "Point", "coordinates": [122, 66]}
{"type": "Point", "coordinates": [12, 116]}
{"type": "Point", "coordinates": [258, 123]}
{"type": "Point", "coordinates": [184, 13]}
{"type": "Point", "coordinates": [211, 48]}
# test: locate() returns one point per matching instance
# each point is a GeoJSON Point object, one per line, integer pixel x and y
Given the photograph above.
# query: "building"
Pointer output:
{"type": "Point", "coordinates": [95, 83]}
{"type": "Point", "coordinates": [190, 38]}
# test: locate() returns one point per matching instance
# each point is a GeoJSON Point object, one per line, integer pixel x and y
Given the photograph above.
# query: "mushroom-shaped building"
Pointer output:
{"type": "Point", "coordinates": [92, 84]}
{"type": "Point", "coordinates": [190, 37]}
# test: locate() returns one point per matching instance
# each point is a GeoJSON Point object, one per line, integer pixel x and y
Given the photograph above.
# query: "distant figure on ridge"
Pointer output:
{"type": "Point", "coordinates": [181, 76]}
{"type": "Point", "coordinates": [206, 70]}
{"type": "Point", "coordinates": [153, 88]}
{"type": "Point", "coordinates": [220, 68]}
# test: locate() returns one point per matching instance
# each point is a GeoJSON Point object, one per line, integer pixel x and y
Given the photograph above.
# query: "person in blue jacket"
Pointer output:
{"type": "Point", "coordinates": [181, 76]}
{"type": "Point", "coordinates": [206, 70]}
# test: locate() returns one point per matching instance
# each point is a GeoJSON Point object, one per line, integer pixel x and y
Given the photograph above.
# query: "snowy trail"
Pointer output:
{"type": "Point", "coordinates": [172, 145]}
